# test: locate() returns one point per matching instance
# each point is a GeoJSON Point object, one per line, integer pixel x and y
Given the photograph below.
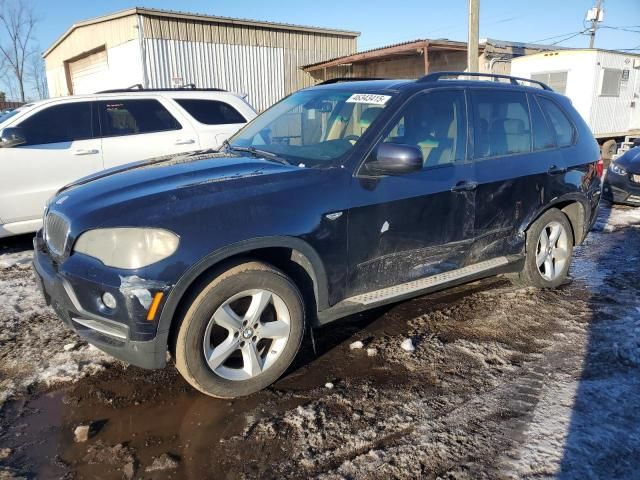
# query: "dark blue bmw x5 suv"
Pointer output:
{"type": "Point", "coordinates": [340, 198]}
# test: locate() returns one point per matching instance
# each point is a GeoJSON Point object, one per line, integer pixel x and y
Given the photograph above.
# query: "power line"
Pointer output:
{"type": "Point", "coordinates": [622, 29]}
{"type": "Point", "coordinates": [556, 36]}
{"type": "Point", "coordinates": [565, 39]}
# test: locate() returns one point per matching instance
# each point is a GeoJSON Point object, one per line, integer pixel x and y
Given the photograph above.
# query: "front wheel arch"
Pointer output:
{"type": "Point", "coordinates": [301, 252]}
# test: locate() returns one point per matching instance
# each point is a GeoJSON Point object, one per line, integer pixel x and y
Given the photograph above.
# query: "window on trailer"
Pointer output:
{"type": "Point", "coordinates": [556, 80]}
{"type": "Point", "coordinates": [611, 78]}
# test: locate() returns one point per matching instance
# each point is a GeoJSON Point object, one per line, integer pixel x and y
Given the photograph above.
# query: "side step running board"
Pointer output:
{"type": "Point", "coordinates": [365, 301]}
{"type": "Point", "coordinates": [427, 282]}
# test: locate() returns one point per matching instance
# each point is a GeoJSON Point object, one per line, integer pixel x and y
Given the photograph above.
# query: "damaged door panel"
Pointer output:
{"type": "Point", "coordinates": [513, 151]}
{"type": "Point", "coordinates": [409, 226]}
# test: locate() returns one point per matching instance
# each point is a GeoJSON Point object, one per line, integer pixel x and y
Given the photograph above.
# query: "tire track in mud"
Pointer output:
{"type": "Point", "coordinates": [476, 375]}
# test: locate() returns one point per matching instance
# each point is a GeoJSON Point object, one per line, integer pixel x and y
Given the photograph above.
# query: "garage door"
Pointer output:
{"type": "Point", "coordinates": [88, 74]}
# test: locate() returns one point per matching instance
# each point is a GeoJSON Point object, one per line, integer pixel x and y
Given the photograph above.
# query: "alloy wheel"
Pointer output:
{"type": "Point", "coordinates": [552, 252]}
{"type": "Point", "coordinates": [246, 334]}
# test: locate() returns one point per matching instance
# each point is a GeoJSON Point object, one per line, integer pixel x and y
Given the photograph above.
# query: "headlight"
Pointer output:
{"type": "Point", "coordinates": [128, 248]}
{"type": "Point", "coordinates": [615, 168]}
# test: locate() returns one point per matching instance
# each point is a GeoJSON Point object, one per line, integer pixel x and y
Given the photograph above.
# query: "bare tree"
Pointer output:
{"type": "Point", "coordinates": [17, 22]}
{"type": "Point", "coordinates": [37, 75]}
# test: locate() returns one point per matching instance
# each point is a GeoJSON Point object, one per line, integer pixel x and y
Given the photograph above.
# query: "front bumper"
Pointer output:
{"type": "Point", "coordinates": [620, 189]}
{"type": "Point", "coordinates": [74, 292]}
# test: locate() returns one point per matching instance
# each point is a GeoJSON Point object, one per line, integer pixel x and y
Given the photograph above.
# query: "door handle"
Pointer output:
{"type": "Point", "coordinates": [556, 170]}
{"type": "Point", "coordinates": [464, 186]}
{"type": "Point", "coordinates": [185, 141]}
{"type": "Point", "coordinates": [86, 151]}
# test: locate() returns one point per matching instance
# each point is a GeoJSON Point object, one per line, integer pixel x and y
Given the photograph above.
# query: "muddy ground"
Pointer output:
{"type": "Point", "coordinates": [504, 382]}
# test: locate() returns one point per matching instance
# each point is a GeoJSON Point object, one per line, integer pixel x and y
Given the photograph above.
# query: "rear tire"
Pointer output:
{"type": "Point", "coordinates": [549, 247]}
{"type": "Point", "coordinates": [241, 332]}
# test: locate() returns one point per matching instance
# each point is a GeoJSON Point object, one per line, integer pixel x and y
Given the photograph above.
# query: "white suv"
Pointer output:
{"type": "Point", "coordinates": [50, 143]}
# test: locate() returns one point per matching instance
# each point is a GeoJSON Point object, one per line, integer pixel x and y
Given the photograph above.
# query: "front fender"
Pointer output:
{"type": "Point", "coordinates": [306, 257]}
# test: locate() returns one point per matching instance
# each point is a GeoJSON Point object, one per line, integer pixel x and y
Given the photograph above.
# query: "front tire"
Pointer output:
{"type": "Point", "coordinates": [549, 247]}
{"type": "Point", "coordinates": [241, 332]}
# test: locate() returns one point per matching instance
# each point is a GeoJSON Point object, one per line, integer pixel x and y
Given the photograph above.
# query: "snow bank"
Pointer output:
{"type": "Point", "coordinates": [615, 218]}
{"type": "Point", "coordinates": [32, 338]}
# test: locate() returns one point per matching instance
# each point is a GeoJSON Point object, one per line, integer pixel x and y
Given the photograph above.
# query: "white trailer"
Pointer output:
{"type": "Point", "coordinates": [603, 85]}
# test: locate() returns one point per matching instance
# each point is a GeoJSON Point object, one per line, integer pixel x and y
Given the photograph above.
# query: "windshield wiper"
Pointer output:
{"type": "Point", "coordinates": [257, 152]}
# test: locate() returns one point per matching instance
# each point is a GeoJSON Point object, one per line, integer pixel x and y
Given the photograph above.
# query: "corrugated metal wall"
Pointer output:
{"type": "Point", "coordinates": [256, 71]}
{"type": "Point", "coordinates": [261, 60]}
{"type": "Point", "coordinates": [284, 50]}
{"type": "Point", "coordinates": [613, 114]}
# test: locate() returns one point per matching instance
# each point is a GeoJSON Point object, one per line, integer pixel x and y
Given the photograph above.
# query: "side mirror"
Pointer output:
{"type": "Point", "coordinates": [395, 159]}
{"type": "Point", "coordinates": [12, 137]}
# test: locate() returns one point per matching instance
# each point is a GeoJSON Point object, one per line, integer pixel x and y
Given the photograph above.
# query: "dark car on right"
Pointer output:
{"type": "Point", "coordinates": [622, 183]}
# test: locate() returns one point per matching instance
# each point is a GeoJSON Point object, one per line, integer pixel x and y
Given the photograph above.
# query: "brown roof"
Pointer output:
{"type": "Point", "coordinates": [404, 48]}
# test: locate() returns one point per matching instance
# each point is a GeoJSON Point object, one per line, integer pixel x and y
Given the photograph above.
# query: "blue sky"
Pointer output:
{"type": "Point", "coordinates": [383, 22]}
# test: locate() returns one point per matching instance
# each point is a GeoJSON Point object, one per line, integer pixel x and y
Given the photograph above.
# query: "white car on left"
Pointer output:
{"type": "Point", "coordinates": [47, 144]}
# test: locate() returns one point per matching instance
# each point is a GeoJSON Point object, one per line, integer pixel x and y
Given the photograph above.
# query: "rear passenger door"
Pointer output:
{"type": "Point", "coordinates": [410, 226]}
{"type": "Point", "coordinates": [216, 120]}
{"type": "Point", "coordinates": [513, 153]}
{"type": "Point", "coordinates": [141, 128]}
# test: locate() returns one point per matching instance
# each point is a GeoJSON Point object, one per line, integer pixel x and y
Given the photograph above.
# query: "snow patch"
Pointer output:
{"type": "Point", "coordinates": [33, 338]}
{"type": "Point", "coordinates": [407, 345]}
{"type": "Point", "coordinates": [615, 218]}
{"type": "Point", "coordinates": [19, 258]}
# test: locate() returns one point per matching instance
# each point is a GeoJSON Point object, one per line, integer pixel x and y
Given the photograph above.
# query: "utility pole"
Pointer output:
{"type": "Point", "coordinates": [472, 42]}
{"type": "Point", "coordinates": [595, 15]}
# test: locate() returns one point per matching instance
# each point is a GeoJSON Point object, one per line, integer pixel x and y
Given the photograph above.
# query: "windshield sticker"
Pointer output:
{"type": "Point", "coordinates": [369, 98]}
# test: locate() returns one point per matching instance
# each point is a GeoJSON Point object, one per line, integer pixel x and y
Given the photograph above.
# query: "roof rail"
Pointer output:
{"type": "Point", "coordinates": [348, 79]}
{"type": "Point", "coordinates": [138, 88]}
{"type": "Point", "coordinates": [434, 77]}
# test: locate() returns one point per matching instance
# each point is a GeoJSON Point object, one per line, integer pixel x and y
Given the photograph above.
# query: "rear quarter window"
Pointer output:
{"type": "Point", "coordinates": [560, 123]}
{"type": "Point", "coordinates": [211, 112]}
{"type": "Point", "coordinates": [543, 136]}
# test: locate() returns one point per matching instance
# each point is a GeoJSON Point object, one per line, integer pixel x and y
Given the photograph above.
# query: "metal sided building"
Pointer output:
{"type": "Point", "coordinates": [162, 49]}
{"type": "Point", "coordinates": [603, 85]}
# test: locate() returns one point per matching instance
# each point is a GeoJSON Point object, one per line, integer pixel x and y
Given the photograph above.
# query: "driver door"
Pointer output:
{"type": "Point", "coordinates": [409, 226]}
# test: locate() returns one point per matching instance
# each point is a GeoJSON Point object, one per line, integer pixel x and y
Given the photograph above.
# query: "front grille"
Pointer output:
{"type": "Point", "coordinates": [56, 232]}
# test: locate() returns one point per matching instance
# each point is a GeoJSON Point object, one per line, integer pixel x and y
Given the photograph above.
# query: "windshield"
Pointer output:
{"type": "Point", "coordinates": [6, 115]}
{"type": "Point", "coordinates": [313, 127]}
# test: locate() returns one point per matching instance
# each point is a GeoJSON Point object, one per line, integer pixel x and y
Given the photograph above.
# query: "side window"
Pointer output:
{"type": "Point", "coordinates": [133, 117]}
{"type": "Point", "coordinates": [564, 129]}
{"type": "Point", "coordinates": [556, 80]}
{"type": "Point", "coordinates": [611, 79]}
{"type": "Point", "coordinates": [543, 137]}
{"type": "Point", "coordinates": [501, 123]}
{"type": "Point", "coordinates": [60, 123]}
{"type": "Point", "coordinates": [436, 123]}
{"type": "Point", "coordinates": [211, 112]}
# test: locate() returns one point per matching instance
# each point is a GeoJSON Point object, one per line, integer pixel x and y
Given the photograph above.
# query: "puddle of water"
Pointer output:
{"type": "Point", "coordinates": [156, 412]}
